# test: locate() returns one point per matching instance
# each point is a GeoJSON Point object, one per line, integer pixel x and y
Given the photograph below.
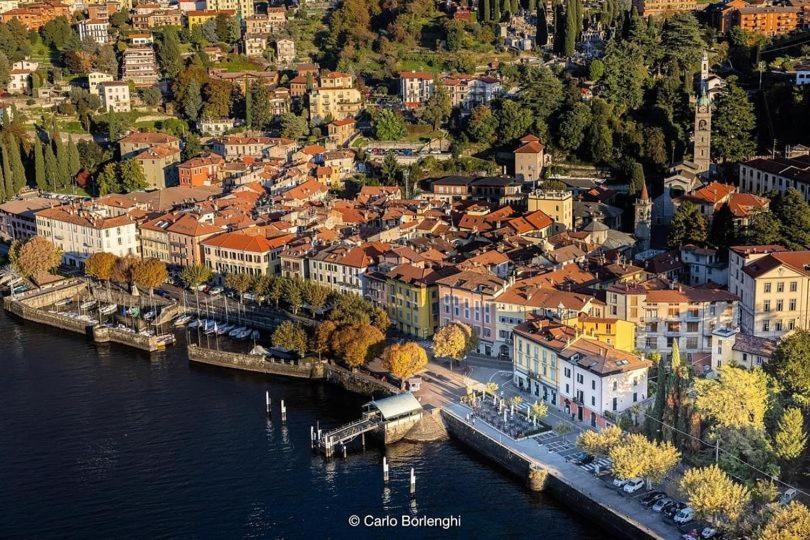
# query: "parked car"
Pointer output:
{"type": "Point", "coordinates": [633, 485]}
{"type": "Point", "coordinates": [787, 496]}
{"type": "Point", "coordinates": [672, 509]}
{"type": "Point", "coordinates": [581, 458]}
{"type": "Point", "coordinates": [652, 497]}
{"type": "Point", "coordinates": [661, 503]}
{"type": "Point", "coordinates": [619, 483]}
{"type": "Point", "coordinates": [684, 515]}
{"type": "Point", "coordinates": [215, 291]}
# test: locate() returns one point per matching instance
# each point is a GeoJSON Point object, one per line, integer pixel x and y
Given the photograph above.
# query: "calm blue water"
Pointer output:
{"type": "Point", "coordinates": [100, 441]}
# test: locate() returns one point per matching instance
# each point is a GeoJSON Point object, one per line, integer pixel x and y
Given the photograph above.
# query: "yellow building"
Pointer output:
{"type": "Point", "coordinates": [413, 299]}
{"type": "Point", "coordinates": [193, 18]}
{"type": "Point", "coordinates": [558, 205]}
{"type": "Point", "coordinates": [617, 333]}
{"type": "Point", "coordinates": [334, 104]}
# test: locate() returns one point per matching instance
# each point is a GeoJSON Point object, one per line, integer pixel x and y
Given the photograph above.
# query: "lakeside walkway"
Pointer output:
{"type": "Point", "coordinates": [574, 476]}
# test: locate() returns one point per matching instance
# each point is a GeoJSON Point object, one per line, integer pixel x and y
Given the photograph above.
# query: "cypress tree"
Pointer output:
{"type": "Point", "coordinates": [16, 164]}
{"type": "Point", "coordinates": [515, 6]}
{"type": "Point", "coordinates": [570, 40]}
{"type": "Point", "coordinates": [542, 27]}
{"type": "Point", "coordinates": [496, 13]}
{"type": "Point", "coordinates": [74, 160]}
{"type": "Point", "coordinates": [559, 27]}
{"type": "Point", "coordinates": [8, 182]}
{"type": "Point", "coordinates": [532, 5]}
{"type": "Point", "coordinates": [51, 169]}
{"type": "Point", "coordinates": [62, 172]}
{"type": "Point", "coordinates": [486, 11]}
{"type": "Point", "coordinates": [39, 165]}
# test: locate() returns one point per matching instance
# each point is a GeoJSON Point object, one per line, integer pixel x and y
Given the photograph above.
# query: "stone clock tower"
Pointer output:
{"type": "Point", "coordinates": [702, 140]}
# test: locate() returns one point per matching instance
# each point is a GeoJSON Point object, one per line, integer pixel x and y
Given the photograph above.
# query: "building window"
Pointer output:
{"type": "Point", "coordinates": [615, 403]}
{"type": "Point", "coordinates": [767, 287]}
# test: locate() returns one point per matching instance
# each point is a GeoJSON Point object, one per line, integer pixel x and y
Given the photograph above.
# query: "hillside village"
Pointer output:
{"type": "Point", "coordinates": [612, 197]}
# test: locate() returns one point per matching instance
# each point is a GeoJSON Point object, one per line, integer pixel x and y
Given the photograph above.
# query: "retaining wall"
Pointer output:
{"type": "Point", "coordinates": [43, 317]}
{"type": "Point", "coordinates": [359, 383]}
{"type": "Point", "coordinates": [257, 364]}
{"type": "Point", "coordinates": [538, 478]}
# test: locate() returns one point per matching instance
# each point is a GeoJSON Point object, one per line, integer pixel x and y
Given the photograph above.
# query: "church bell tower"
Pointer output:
{"type": "Point", "coordinates": [702, 141]}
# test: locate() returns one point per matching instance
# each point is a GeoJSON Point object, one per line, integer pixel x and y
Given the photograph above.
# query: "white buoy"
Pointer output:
{"type": "Point", "coordinates": [312, 436]}
{"type": "Point", "coordinates": [413, 483]}
{"type": "Point", "coordinates": [283, 412]}
{"type": "Point", "coordinates": [267, 401]}
{"type": "Point", "coordinates": [385, 470]}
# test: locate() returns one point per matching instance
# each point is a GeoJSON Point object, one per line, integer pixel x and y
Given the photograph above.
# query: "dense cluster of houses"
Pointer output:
{"type": "Point", "coordinates": [571, 301]}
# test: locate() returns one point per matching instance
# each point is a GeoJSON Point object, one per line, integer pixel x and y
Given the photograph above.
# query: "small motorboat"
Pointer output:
{"type": "Point", "coordinates": [183, 320]}
{"type": "Point", "coordinates": [88, 305]}
{"type": "Point", "coordinates": [109, 309]}
{"type": "Point", "coordinates": [224, 329]}
{"type": "Point", "coordinates": [236, 331]}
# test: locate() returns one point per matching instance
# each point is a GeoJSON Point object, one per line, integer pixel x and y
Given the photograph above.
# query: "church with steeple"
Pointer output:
{"type": "Point", "coordinates": [686, 176]}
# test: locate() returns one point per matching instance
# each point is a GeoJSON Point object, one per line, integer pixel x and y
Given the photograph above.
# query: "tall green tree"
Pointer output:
{"type": "Point", "coordinates": [571, 28]}
{"type": "Point", "coordinates": [39, 165]}
{"type": "Point", "coordinates": [790, 438]}
{"type": "Point", "coordinates": [542, 27]}
{"type": "Point", "coordinates": [688, 226]}
{"type": "Point", "coordinates": [169, 54]}
{"type": "Point", "coordinates": [733, 122]}
{"type": "Point", "coordinates": [486, 11]}
{"type": "Point", "coordinates": [73, 158]}
{"type": "Point", "coordinates": [132, 176]}
{"type": "Point", "coordinates": [762, 229]}
{"type": "Point", "coordinates": [192, 101]}
{"type": "Point", "coordinates": [793, 213]}
{"type": "Point", "coordinates": [637, 179]}
{"type": "Point", "coordinates": [722, 232]}
{"type": "Point", "coordinates": [789, 365]}
{"type": "Point", "coordinates": [15, 161]}
{"type": "Point", "coordinates": [52, 173]}
{"type": "Point", "coordinates": [8, 175]}
{"type": "Point", "coordinates": [438, 106]}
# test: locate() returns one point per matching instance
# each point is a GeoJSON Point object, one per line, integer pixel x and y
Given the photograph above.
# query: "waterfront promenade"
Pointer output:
{"type": "Point", "coordinates": [576, 478]}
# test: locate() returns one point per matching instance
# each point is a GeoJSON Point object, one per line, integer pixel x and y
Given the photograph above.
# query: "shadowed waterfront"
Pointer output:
{"type": "Point", "coordinates": [102, 441]}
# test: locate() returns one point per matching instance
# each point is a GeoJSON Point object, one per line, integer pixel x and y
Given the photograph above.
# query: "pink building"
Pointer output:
{"type": "Point", "coordinates": [468, 297]}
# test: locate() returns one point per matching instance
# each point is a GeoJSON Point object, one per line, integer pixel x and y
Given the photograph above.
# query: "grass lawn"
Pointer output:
{"type": "Point", "coordinates": [359, 142]}
{"type": "Point", "coordinates": [71, 126]}
{"type": "Point", "coordinates": [238, 63]}
{"type": "Point", "coordinates": [421, 132]}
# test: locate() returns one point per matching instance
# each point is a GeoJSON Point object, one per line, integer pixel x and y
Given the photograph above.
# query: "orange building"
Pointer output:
{"type": "Point", "coordinates": [200, 171]}
{"type": "Point", "coordinates": [768, 20]}
{"type": "Point", "coordinates": [35, 16]}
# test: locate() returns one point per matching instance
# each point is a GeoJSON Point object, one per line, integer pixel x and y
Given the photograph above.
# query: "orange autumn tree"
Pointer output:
{"type": "Point", "coordinates": [149, 273]}
{"type": "Point", "coordinates": [100, 265]}
{"type": "Point", "coordinates": [357, 344]}
{"type": "Point", "coordinates": [404, 360]}
{"type": "Point", "coordinates": [36, 257]}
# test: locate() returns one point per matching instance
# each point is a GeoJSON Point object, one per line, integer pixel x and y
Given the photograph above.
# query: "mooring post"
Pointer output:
{"type": "Point", "coordinates": [283, 412]}
{"type": "Point", "coordinates": [312, 436]}
{"type": "Point", "coordinates": [413, 483]}
{"type": "Point", "coordinates": [385, 470]}
{"type": "Point", "coordinates": [363, 440]}
{"type": "Point", "coordinates": [344, 449]}
{"type": "Point", "coordinates": [267, 402]}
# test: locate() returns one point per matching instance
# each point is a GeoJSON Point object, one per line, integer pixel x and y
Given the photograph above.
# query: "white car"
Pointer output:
{"type": "Point", "coordinates": [684, 515]}
{"type": "Point", "coordinates": [215, 291]}
{"type": "Point", "coordinates": [633, 485]}
{"type": "Point", "coordinates": [617, 482]}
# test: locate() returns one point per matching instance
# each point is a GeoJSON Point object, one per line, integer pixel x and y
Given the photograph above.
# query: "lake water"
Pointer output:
{"type": "Point", "coordinates": [101, 441]}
